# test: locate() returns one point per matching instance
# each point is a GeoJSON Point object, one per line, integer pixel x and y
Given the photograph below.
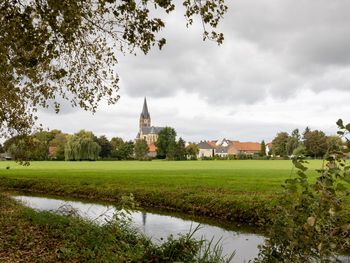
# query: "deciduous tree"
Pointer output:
{"type": "Point", "coordinates": [180, 151]}
{"type": "Point", "coordinates": [192, 151]}
{"type": "Point", "coordinates": [67, 50]}
{"type": "Point", "coordinates": [293, 141]}
{"type": "Point", "coordinates": [82, 146]}
{"type": "Point", "coordinates": [279, 144]}
{"type": "Point", "coordinates": [166, 143]}
{"type": "Point", "coordinates": [105, 145]}
{"type": "Point", "coordinates": [59, 144]}
{"type": "Point", "coordinates": [262, 148]}
{"type": "Point", "coordinates": [141, 149]}
{"type": "Point", "coordinates": [315, 143]}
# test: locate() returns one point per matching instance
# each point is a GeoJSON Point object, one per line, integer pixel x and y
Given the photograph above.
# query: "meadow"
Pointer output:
{"type": "Point", "coordinates": [241, 191]}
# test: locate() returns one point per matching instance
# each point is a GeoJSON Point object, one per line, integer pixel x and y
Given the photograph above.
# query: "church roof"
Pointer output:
{"type": "Point", "coordinates": [145, 113]}
{"type": "Point", "coordinates": [151, 130]}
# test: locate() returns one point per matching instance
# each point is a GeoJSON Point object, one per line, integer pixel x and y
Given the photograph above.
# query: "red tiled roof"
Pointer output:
{"type": "Point", "coordinates": [212, 144]}
{"type": "Point", "coordinates": [246, 146]}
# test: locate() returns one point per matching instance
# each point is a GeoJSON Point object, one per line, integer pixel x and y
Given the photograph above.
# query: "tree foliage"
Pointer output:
{"type": "Point", "coordinates": [82, 146]}
{"type": "Point", "coordinates": [141, 149]}
{"type": "Point", "coordinates": [180, 150]}
{"type": "Point", "coordinates": [54, 51]}
{"type": "Point", "coordinates": [105, 145]}
{"type": "Point", "coordinates": [121, 150]}
{"type": "Point", "coordinates": [293, 142]}
{"type": "Point", "coordinates": [316, 143]}
{"type": "Point", "coordinates": [262, 148]}
{"type": "Point", "coordinates": [58, 144]}
{"type": "Point", "coordinates": [279, 144]}
{"type": "Point", "coordinates": [192, 151]}
{"type": "Point", "coordinates": [166, 143]}
{"type": "Point", "coordinates": [307, 225]}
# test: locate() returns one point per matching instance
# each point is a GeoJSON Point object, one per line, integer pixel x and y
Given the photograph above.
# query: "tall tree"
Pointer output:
{"type": "Point", "coordinates": [141, 149]}
{"type": "Point", "coordinates": [262, 148]}
{"type": "Point", "coordinates": [52, 50]}
{"type": "Point", "coordinates": [306, 131]}
{"type": "Point", "coordinates": [315, 143]}
{"type": "Point", "coordinates": [279, 144]}
{"type": "Point", "coordinates": [106, 146]}
{"type": "Point", "coordinates": [166, 143]}
{"type": "Point", "coordinates": [293, 141]}
{"type": "Point", "coordinates": [180, 152]}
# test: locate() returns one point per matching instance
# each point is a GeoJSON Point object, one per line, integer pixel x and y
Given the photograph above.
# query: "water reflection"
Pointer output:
{"type": "Point", "coordinates": [159, 227]}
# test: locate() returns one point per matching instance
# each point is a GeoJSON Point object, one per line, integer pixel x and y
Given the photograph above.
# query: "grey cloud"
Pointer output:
{"type": "Point", "coordinates": [272, 48]}
{"type": "Point", "coordinates": [309, 31]}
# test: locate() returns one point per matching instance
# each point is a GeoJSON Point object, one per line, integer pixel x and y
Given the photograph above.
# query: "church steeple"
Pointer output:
{"type": "Point", "coordinates": [145, 118]}
{"type": "Point", "coordinates": [145, 113]}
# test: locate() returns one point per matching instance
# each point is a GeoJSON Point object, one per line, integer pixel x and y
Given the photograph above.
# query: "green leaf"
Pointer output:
{"type": "Point", "coordinates": [348, 127]}
{"type": "Point", "coordinates": [340, 124]}
{"type": "Point", "coordinates": [341, 187]}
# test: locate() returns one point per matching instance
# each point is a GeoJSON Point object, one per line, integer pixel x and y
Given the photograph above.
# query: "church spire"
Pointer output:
{"type": "Point", "coordinates": [145, 113]}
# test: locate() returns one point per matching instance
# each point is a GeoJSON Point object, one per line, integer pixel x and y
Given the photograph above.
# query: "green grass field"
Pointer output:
{"type": "Point", "coordinates": [234, 190]}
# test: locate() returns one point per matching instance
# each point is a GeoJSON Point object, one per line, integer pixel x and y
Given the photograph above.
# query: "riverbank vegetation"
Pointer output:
{"type": "Point", "coordinates": [241, 191]}
{"type": "Point", "coordinates": [30, 236]}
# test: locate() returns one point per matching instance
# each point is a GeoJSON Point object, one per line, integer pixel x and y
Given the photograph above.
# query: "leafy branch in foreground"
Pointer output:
{"type": "Point", "coordinates": [307, 226]}
{"type": "Point", "coordinates": [54, 51]}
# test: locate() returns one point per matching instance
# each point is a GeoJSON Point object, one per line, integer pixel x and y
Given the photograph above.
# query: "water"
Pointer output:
{"type": "Point", "coordinates": [157, 227]}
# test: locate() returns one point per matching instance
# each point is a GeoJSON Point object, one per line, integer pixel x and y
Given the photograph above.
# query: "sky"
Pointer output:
{"type": "Point", "coordinates": [283, 65]}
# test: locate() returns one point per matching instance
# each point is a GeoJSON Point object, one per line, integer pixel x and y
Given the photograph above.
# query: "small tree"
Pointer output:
{"type": "Point", "coordinates": [141, 149]}
{"type": "Point", "coordinates": [192, 151]}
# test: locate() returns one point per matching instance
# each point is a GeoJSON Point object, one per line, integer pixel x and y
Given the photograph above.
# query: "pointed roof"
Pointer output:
{"type": "Point", "coordinates": [145, 113]}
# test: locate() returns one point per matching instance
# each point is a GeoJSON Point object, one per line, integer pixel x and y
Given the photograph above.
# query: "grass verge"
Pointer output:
{"type": "Point", "coordinates": [30, 236]}
{"type": "Point", "coordinates": [240, 191]}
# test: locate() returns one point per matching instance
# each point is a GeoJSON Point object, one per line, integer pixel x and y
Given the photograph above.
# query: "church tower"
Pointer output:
{"type": "Point", "coordinates": [145, 118]}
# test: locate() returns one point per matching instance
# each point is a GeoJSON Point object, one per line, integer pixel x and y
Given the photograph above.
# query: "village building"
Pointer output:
{"type": "Point", "coordinates": [146, 131]}
{"type": "Point", "coordinates": [205, 149]}
{"type": "Point", "coordinates": [223, 148]}
{"type": "Point", "coordinates": [248, 148]}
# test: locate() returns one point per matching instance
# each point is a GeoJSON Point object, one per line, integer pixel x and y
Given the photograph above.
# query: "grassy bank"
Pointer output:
{"type": "Point", "coordinates": [242, 191]}
{"type": "Point", "coordinates": [30, 236]}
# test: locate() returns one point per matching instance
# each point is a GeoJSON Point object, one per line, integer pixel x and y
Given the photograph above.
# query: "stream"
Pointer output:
{"type": "Point", "coordinates": [157, 226]}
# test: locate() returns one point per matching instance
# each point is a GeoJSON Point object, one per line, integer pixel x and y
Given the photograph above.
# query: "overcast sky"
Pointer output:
{"type": "Point", "coordinates": [284, 64]}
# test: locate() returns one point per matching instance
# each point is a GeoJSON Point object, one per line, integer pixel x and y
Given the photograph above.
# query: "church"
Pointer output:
{"type": "Point", "coordinates": [146, 131]}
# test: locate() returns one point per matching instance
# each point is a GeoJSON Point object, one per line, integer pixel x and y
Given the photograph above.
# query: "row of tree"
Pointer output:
{"type": "Point", "coordinates": [84, 145]}
{"type": "Point", "coordinates": [313, 143]}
